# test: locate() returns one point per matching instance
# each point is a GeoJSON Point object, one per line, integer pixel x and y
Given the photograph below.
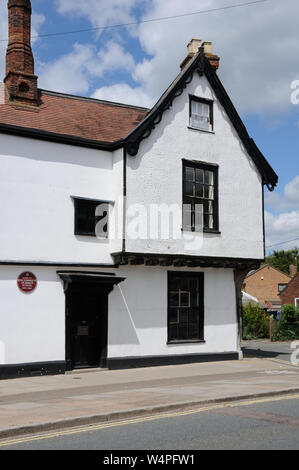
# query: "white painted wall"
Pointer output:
{"type": "Point", "coordinates": [154, 176]}
{"type": "Point", "coordinates": [138, 314]}
{"type": "Point", "coordinates": [32, 326]}
{"type": "Point", "coordinates": [38, 179]}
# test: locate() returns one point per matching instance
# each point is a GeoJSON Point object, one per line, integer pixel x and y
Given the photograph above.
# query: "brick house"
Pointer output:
{"type": "Point", "coordinates": [290, 295]}
{"type": "Point", "coordinates": [266, 284]}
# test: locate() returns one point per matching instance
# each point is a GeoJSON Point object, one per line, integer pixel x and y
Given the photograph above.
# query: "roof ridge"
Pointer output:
{"type": "Point", "coordinates": [92, 100]}
{"type": "Point", "coordinates": [271, 266]}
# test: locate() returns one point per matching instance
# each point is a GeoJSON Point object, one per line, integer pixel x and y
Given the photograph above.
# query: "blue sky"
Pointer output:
{"type": "Point", "coordinates": [258, 46]}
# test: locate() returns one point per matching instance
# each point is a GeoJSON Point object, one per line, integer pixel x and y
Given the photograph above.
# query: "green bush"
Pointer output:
{"type": "Point", "coordinates": [255, 322]}
{"type": "Point", "coordinates": [288, 326]}
{"type": "Point", "coordinates": [288, 313]}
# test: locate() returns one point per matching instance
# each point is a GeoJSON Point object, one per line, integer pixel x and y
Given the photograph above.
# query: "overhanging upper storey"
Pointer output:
{"type": "Point", "coordinates": [201, 65]}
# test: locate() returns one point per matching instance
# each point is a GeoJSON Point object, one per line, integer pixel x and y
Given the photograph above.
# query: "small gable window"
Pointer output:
{"type": "Point", "coordinates": [281, 287]}
{"type": "Point", "coordinates": [201, 114]}
{"type": "Point", "coordinates": [91, 217]}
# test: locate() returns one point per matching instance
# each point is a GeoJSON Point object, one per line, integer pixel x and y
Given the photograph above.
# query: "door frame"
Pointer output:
{"type": "Point", "coordinates": [104, 284]}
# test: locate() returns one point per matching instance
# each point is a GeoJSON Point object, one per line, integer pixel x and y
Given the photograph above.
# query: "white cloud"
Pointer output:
{"type": "Point", "coordinates": [284, 225]}
{"type": "Point", "coordinates": [288, 200]}
{"type": "Point", "coordinates": [257, 45]}
{"type": "Point", "coordinates": [74, 72]}
{"type": "Point", "coordinates": [282, 228]}
{"type": "Point", "coordinates": [70, 73]}
{"type": "Point", "coordinates": [123, 93]}
{"type": "Point", "coordinates": [113, 57]}
{"type": "Point", "coordinates": [100, 12]}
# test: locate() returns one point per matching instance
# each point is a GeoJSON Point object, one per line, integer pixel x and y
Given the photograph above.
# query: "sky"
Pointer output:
{"type": "Point", "coordinates": [259, 49]}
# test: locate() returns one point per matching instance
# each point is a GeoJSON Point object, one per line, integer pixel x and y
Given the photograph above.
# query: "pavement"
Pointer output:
{"type": "Point", "coordinates": [40, 404]}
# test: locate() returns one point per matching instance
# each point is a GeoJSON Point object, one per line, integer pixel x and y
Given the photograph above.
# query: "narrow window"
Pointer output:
{"type": "Point", "coordinates": [91, 218]}
{"type": "Point", "coordinates": [200, 196]}
{"type": "Point", "coordinates": [185, 307]}
{"type": "Point", "coordinates": [201, 114]}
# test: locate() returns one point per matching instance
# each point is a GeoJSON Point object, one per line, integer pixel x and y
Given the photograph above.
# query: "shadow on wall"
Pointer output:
{"type": "Point", "coordinates": [44, 274]}
{"type": "Point", "coordinates": [55, 153]}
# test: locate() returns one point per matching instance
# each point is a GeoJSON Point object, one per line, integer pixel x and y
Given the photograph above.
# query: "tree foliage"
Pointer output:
{"type": "Point", "coordinates": [283, 259]}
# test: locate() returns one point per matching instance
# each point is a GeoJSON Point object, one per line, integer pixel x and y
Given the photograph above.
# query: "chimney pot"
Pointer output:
{"type": "Point", "coordinates": [193, 47]}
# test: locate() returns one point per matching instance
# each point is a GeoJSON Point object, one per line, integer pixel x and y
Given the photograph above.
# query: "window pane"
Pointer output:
{"type": "Point", "coordinates": [183, 331]}
{"type": "Point", "coordinates": [189, 174]}
{"type": "Point", "coordinates": [174, 299]}
{"type": "Point", "coordinates": [173, 332]}
{"type": "Point", "coordinates": [208, 221]}
{"type": "Point", "coordinates": [199, 190]}
{"type": "Point", "coordinates": [209, 192]}
{"type": "Point", "coordinates": [193, 315]}
{"type": "Point", "coordinates": [209, 177]}
{"type": "Point", "coordinates": [204, 122]}
{"type": "Point", "coordinates": [185, 299]}
{"type": "Point", "coordinates": [198, 214]}
{"type": "Point", "coordinates": [199, 175]}
{"type": "Point", "coordinates": [195, 107]}
{"type": "Point", "coordinates": [183, 315]}
{"type": "Point", "coordinates": [189, 188]}
{"type": "Point", "coordinates": [173, 316]}
{"type": "Point", "coordinates": [205, 110]}
{"type": "Point", "coordinates": [208, 207]}
{"type": "Point", "coordinates": [193, 331]}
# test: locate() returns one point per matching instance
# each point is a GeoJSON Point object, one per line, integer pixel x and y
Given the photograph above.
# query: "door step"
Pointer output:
{"type": "Point", "coordinates": [86, 370]}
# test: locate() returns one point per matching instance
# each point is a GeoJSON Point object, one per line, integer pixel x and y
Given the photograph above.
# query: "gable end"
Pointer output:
{"type": "Point", "coordinates": [201, 64]}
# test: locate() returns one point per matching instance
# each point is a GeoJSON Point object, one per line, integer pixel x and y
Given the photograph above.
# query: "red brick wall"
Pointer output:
{"type": "Point", "coordinates": [263, 284]}
{"type": "Point", "coordinates": [291, 292]}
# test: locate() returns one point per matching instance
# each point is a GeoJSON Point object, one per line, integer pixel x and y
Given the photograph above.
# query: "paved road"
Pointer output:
{"type": "Point", "coordinates": [268, 424]}
{"type": "Point", "coordinates": [280, 350]}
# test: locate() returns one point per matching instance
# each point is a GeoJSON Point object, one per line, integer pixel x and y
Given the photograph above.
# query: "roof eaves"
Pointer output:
{"type": "Point", "coordinates": [59, 138]}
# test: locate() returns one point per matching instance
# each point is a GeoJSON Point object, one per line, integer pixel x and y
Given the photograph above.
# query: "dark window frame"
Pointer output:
{"type": "Point", "coordinates": [95, 202]}
{"type": "Point", "coordinates": [280, 288]}
{"type": "Point", "coordinates": [198, 99]}
{"type": "Point", "coordinates": [199, 276]}
{"type": "Point", "coordinates": [186, 199]}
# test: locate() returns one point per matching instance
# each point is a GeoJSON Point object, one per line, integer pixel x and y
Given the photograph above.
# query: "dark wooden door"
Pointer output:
{"type": "Point", "coordinates": [87, 311]}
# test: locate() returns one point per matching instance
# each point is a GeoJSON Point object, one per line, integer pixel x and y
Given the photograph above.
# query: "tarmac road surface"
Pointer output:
{"type": "Point", "coordinates": [256, 424]}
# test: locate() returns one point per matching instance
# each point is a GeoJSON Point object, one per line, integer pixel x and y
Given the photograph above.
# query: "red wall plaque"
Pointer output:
{"type": "Point", "coordinates": [27, 282]}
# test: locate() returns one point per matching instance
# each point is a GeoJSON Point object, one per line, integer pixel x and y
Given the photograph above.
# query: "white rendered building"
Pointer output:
{"type": "Point", "coordinates": [126, 232]}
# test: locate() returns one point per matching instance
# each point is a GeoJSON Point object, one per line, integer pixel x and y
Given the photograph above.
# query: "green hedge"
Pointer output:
{"type": "Point", "coordinates": [255, 322]}
{"type": "Point", "coordinates": [288, 326]}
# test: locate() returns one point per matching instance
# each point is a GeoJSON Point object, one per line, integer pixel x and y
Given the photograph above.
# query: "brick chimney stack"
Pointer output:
{"type": "Point", "coordinates": [20, 80]}
{"type": "Point", "coordinates": [293, 270]}
{"type": "Point", "coordinates": [193, 48]}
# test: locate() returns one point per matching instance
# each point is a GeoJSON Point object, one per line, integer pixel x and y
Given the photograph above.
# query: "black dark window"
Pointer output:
{"type": "Point", "coordinates": [91, 217]}
{"type": "Point", "coordinates": [201, 114]}
{"type": "Point", "coordinates": [200, 197]}
{"type": "Point", "coordinates": [185, 307]}
{"type": "Point", "coordinates": [281, 287]}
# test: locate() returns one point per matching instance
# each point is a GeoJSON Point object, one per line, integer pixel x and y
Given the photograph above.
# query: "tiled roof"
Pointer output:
{"type": "Point", "coordinates": [70, 115]}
